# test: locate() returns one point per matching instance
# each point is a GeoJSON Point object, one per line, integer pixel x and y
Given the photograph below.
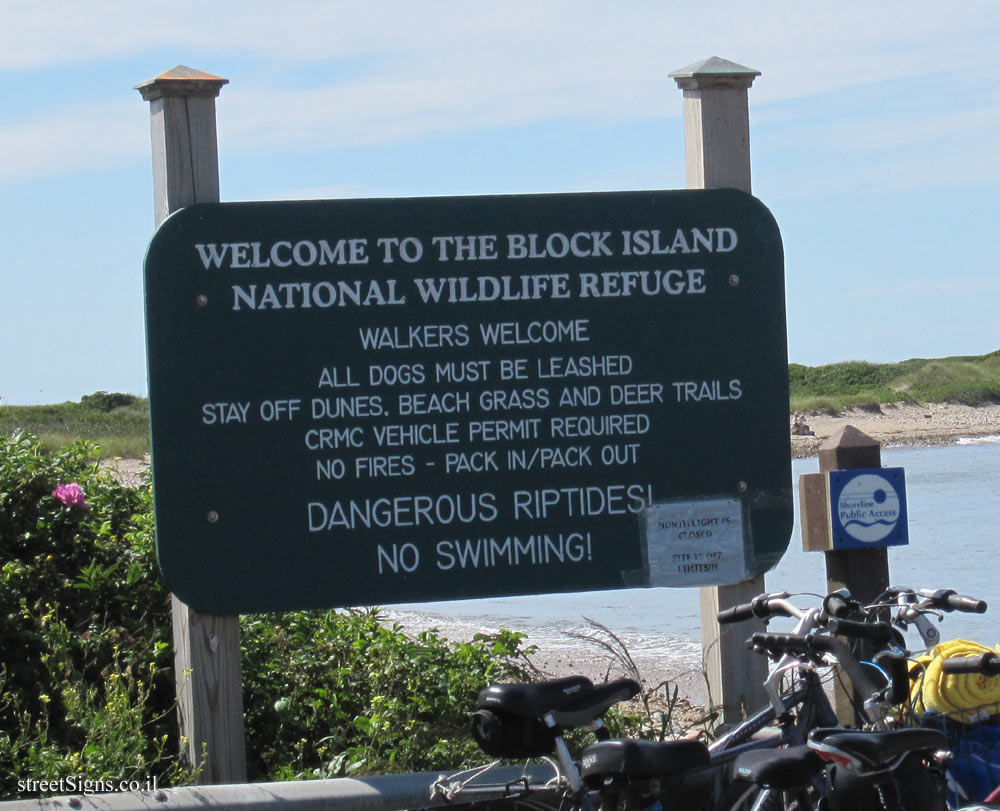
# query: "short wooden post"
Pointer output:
{"type": "Point", "coordinates": [865, 572]}
{"type": "Point", "coordinates": [717, 155]}
{"type": "Point", "coordinates": [206, 648]}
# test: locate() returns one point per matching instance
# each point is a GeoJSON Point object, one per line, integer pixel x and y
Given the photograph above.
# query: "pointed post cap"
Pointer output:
{"type": "Point", "coordinates": [849, 449]}
{"type": "Point", "coordinates": [714, 72]}
{"type": "Point", "coordinates": [181, 81]}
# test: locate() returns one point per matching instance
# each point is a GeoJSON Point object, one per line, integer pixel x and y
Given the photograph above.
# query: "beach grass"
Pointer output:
{"type": "Point", "coordinates": [118, 424]}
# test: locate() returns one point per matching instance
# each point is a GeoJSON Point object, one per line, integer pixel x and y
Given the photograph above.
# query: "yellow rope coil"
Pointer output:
{"type": "Point", "coordinates": [960, 696]}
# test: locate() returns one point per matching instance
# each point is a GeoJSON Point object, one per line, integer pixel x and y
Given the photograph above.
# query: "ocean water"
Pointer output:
{"type": "Point", "coordinates": [953, 502]}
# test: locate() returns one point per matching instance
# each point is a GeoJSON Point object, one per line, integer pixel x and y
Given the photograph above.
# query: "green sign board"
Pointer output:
{"type": "Point", "coordinates": [382, 401]}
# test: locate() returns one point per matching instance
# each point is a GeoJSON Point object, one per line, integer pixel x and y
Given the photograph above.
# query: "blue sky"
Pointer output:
{"type": "Point", "coordinates": [873, 139]}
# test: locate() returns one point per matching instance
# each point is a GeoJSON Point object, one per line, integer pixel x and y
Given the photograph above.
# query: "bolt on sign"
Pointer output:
{"type": "Point", "coordinates": [369, 401]}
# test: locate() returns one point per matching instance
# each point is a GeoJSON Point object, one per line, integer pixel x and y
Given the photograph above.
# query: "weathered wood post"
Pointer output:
{"type": "Point", "coordinates": [206, 648]}
{"type": "Point", "coordinates": [717, 155]}
{"type": "Point", "coordinates": [865, 572]}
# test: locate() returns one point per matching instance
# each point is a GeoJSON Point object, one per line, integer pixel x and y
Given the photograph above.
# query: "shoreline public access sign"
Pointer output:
{"type": "Point", "coordinates": [382, 401]}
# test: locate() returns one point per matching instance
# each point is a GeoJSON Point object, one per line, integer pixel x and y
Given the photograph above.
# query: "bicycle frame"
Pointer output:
{"type": "Point", "coordinates": [781, 703]}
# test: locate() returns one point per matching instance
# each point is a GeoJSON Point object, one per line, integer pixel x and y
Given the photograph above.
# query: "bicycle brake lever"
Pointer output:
{"type": "Point", "coordinates": [928, 633]}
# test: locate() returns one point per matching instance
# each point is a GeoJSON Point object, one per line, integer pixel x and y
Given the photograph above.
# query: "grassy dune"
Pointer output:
{"type": "Point", "coordinates": [967, 379]}
{"type": "Point", "coordinates": [118, 423]}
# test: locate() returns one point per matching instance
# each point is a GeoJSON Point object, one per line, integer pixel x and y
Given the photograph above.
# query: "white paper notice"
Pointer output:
{"type": "Point", "coordinates": [696, 543]}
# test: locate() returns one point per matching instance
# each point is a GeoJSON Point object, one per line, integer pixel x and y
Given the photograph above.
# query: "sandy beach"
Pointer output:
{"type": "Point", "coordinates": [903, 424]}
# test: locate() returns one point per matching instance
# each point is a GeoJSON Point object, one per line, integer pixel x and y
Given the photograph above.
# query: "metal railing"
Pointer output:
{"type": "Point", "coordinates": [378, 793]}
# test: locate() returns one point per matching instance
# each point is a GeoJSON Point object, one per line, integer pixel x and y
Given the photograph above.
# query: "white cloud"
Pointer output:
{"type": "Point", "coordinates": [813, 46]}
{"type": "Point", "coordinates": [381, 111]}
{"type": "Point", "coordinates": [900, 146]}
{"type": "Point", "coordinates": [339, 74]}
{"type": "Point", "coordinates": [75, 138]}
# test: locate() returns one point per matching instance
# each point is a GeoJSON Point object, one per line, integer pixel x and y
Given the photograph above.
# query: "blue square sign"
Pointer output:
{"type": "Point", "coordinates": [868, 508]}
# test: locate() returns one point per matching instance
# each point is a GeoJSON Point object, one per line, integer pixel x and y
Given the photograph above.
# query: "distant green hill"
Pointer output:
{"type": "Point", "coordinates": [967, 379]}
{"type": "Point", "coordinates": [119, 423]}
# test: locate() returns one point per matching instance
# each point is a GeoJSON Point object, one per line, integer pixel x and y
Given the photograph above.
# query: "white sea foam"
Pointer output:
{"type": "Point", "coordinates": [991, 439]}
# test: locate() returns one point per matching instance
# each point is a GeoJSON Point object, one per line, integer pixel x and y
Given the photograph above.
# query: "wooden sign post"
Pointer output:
{"type": "Point", "coordinates": [422, 433]}
{"type": "Point", "coordinates": [206, 647]}
{"type": "Point", "coordinates": [863, 571]}
{"type": "Point", "coordinates": [717, 155]}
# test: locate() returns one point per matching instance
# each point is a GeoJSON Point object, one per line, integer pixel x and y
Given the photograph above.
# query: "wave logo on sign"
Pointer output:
{"type": "Point", "coordinates": [870, 507]}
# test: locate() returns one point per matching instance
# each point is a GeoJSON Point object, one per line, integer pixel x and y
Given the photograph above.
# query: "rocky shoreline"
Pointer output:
{"type": "Point", "coordinates": [904, 425]}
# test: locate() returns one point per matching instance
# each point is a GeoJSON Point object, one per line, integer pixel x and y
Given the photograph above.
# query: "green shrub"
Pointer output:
{"type": "Point", "coordinates": [104, 401]}
{"type": "Point", "coordinates": [334, 693]}
{"type": "Point", "coordinates": [87, 683]}
{"type": "Point", "coordinates": [86, 686]}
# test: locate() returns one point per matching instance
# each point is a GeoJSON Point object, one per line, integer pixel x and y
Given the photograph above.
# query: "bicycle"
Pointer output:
{"type": "Point", "coordinates": [885, 768]}
{"type": "Point", "coordinates": [795, 777]}
{"type": "Point", "coordinates": [528, 721]}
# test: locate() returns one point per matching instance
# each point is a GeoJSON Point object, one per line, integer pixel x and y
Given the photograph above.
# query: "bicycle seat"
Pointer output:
{"type": "Point", "coordinates": [625, 757]}
{"type": "Point", "coordinates": [873, 750]}
{"type": "Point", "coordinates": [783, 769]}
{"type": "Point", "coordinates": [586, 707]}
{"type": "Point", "coordinates": [536, 699]}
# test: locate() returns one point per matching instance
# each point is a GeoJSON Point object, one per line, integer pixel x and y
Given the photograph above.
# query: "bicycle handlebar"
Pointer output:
{"type": "Point", "coordinates": [838, 604]}
{"type": "Point", "coordinates": [895, 692]}
{"type": "Point", "coordinates": [779, 643]}
{"type": "Point", "coordinates": [762, 606]}
{"type": "Point", "coordinates": [736, 613]}
{"type": "Point", "coordinates": [803, 644]}
{"type": "Point", "coordinates": [880, 632]}
{"type": "Point", "coordinates": [940, 599]}
{"type": "Point", "coordinates": [987, 663]}
{"type": "Point", "coordinates": [791, 643]}
{"type": "Point", "coordinates": [959, 602]}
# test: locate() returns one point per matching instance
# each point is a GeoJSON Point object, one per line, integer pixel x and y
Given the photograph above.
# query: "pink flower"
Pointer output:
{"type": "Point", "coordinates": [71, 495]}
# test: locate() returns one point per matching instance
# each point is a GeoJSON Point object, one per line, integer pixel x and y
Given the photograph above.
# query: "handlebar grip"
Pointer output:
{"type": "Point", "coordinates": [961, 602]}
{"type": "Point", "coordinates": [822, 643]}
{"type": "Point", "coordinates": [988, 663]}
{"type": "Point", "coordinates": [874, 631]}
{"type": "Point", "coordinates": [759, 606]}
{"type": "Point", "coordinates": [736, 613]}
{"type": "Point", "coordinates": [790, 643]}
{"type": "Point", "coordinates": [835, 605]}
